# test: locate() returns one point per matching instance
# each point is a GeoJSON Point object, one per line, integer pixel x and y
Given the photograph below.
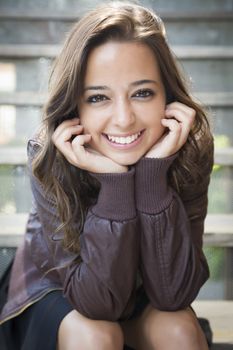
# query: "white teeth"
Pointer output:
{"type": "Point", "coordinates": [124, 140]}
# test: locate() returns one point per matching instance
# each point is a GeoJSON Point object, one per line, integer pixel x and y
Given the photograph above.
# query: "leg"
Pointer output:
{"type": "Point", "coordinates": [77, 332]}
{"type": "Point", "coordinates": [161, 330]}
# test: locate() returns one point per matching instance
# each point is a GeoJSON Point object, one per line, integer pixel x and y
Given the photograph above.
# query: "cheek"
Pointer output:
{"type": "Point", "coordinates": [155, 125]}
{"type": "Point", "coordinates": [154, 117]}
{"type": "Point", "coordinates": [86, 122]}
{"type": "Point", "coordinates": [157, 132]}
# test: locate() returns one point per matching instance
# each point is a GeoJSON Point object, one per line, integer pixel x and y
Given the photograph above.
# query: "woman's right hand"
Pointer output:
{"type": "Point", "coordinates": [70, 141]}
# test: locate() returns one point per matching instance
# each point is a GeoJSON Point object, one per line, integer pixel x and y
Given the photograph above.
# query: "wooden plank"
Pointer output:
{"type": "Point", "coordinates": [24, 98]}
{"type": "Point", "coordinates": [220, 315]}
{"type": "Point", "coordinates": [219, 223]}
{"type": "Point", "coordinates": [13, 155]}
{"type": "Point", "coordinates": [218, 229]}
{"type": "Point", "coordinates": [29, 51]}
{"type": "Point", "coordinates": [39, 14]}
{"type": "Point", "coordinates": [214, 99]}
{"type": "Point", "coordinates": [203, 52]}
{"type": "Point", "coordinates": [30, 98]}
{"type": "Point", "coordinates": [218, 240]}
{"type": "Point", "coordinates": [13, 224]}
{"type": "Point", "coordinates": [12, 228]}
{"type": "Point", "coordinates": [224, 156]}
{"type": "Point", "coordinates": [182, 52]}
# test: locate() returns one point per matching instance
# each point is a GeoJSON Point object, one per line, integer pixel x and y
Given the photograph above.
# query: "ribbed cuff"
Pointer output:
{"type": "Point", "coordinates": [152, 192]}
{"type": "Point", "coordinates": [116, 200]}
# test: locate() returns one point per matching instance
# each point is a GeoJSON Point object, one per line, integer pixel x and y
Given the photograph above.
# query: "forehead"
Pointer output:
{"type": "Point", "coordinates": [121, 60]}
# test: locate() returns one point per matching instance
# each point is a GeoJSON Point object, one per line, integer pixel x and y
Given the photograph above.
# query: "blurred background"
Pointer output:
{"type": "Point", "coordinates": [200, 34]}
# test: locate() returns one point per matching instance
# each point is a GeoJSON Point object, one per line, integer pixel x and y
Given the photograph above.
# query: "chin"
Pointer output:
{"type": "Point", "coordinates": [126, 160]}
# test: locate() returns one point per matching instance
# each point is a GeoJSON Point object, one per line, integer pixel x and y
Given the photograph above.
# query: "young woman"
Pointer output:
{"type": "Point", "coordinates": [119, 174]}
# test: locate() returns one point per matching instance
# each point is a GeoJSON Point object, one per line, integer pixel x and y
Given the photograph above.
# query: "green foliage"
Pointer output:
{"type": "Point", "coordinates": [215, 258]}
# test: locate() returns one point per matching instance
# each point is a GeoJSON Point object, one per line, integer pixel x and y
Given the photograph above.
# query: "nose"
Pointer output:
{"type": "Point", "coordinates": [123, 114]}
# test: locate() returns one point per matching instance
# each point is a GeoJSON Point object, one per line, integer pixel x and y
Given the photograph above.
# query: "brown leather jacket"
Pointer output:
{"type": "Point", "coordinates": [139, 223]}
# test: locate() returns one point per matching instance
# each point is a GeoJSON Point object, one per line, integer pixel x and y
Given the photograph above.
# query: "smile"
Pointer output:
{"type": "Point", "coordinates": [124, 140]}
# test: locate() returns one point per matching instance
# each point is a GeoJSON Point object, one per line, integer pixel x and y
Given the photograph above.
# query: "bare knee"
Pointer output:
{"type": "Point", "coordinates": [78, 332]}
{"type": "Point", "coordinates": [179, 329]}
{"type": "Point", "coordinates": [108, 336]}
{"type": "Point", "coordinates": [182, 329]}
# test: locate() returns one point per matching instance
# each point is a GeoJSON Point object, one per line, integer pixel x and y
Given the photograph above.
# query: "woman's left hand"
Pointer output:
{"type": "Point", "coordinates": [178, 120]}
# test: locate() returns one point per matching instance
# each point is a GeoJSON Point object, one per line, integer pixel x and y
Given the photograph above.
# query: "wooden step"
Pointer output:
{"type": "Point", "coordinates": [25, 98]}
{"type": "Point", "coordinates": [180, 31]}
{"type": "Point", "coordinates": [18, 155]}
{"type": "Point", "coordinates": [40, 14]}
{"type": "Point", "coordinates": [29, 51]}
{"type": "Point", "coordinates": [182, 52]}
{"type": "Point", "coordinates": [30, 98]}
{"type": "Point", "coordinates": [13, 155]}
{"type": "Point", "coordinates": [217, 74]}
{"type": "Point", "coordinates": [220, 315]}
{"type": "Point", "coordinates": [224, 156]}
{"type": "Point", "coordinates": [218, 229]}
{"type": "Point", "coordinates": [203, 52]}
{"type": "Point", "coordinates": [215, 99]}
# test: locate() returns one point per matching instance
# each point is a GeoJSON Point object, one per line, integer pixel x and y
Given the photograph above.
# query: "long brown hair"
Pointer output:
{"type": "Point", "coordinates": [74, 190]}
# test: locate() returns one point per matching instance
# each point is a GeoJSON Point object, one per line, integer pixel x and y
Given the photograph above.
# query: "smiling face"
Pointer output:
{"type": "Point", "coordinates": [123, 101]}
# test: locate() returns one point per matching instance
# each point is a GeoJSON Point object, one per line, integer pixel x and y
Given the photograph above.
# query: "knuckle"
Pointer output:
{"type": "Point", "coordinates": [177, 126]}
{"type": "Point", "coordinates": [192, 113]}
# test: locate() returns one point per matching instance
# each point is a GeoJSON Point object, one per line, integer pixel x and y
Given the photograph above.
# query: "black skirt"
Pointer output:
{"type": "Point", "coordinates": [37, 327]}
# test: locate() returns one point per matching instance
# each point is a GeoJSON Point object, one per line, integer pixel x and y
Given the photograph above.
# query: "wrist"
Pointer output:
{"type": "Point", "coordinates": [152, 191]}
{"type": "Point", "coordinates": [116, 200]}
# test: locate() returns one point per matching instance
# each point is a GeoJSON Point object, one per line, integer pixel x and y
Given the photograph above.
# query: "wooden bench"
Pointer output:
{"type": "Point", "coordinates": [218, 230]}
{"type": "Point", "coordinates": [220, 315]}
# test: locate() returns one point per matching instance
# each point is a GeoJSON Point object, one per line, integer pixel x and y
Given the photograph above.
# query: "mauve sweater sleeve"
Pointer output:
{"type": "Point", "coordinates": [173, 267]}
{"type": "Point", "coordinates": [101, 286]}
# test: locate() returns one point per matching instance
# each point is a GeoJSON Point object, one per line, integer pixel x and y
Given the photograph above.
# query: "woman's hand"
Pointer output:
{"type": "Point", "coordinates": [178, 120]}
{"type": "Point", "coordinates": [70, 141]}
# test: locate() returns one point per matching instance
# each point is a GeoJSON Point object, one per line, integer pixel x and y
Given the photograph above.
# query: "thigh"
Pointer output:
{"type": "Point", "coordinates": [153, 323]}
{"type": "Point", "coordinates": [76, 328]}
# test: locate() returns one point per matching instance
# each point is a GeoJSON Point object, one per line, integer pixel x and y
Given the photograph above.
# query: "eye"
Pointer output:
{"type": "Point", "coordinates": [96, 98]}
{"type": "Point", "coordinates": [144, 93]}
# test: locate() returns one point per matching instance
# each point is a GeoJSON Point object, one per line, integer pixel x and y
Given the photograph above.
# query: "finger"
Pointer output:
{"type": "Point", "coordinates": [81, 153]}
{"type": "Point", "coordinates": [65, 124]}
{"type": "Point", "coordinates": [66, 134]}
{"type": "Point", "coordinates": [181, 116]}
{"type": "Point", "coordinates": [67, 151]}
{"type": "Point", "coordinates": [181, 106]}
{"type": "Point", "coordinates": [172, 124]}
{"type": "Point", "coordinates": [181, 111]}
{"type": "Point", "coordinates": [75, 156]}
{"type": "Point", "coordinates": [81, 140]}
{"type": "Point", "coordinates": [184, 119]}
{"type": "Point", "coordinates": [174, 132]}
{"type": "Point", "coordinates": [177, 133]}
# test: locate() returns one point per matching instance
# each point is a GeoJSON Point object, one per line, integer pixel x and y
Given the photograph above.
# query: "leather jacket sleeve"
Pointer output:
{"type": "Point", "coordinates": [102, 284]}
{"type": "Point", "coordinates": [173, 267]}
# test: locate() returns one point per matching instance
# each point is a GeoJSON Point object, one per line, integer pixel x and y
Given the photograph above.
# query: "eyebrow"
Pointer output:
{"type": "Point", "coordinates": [95, 88]}
{"type": "Point", "coordinates": [135, 83]}
{"type": "Point", "coordinates": [144, 81]}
